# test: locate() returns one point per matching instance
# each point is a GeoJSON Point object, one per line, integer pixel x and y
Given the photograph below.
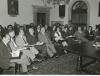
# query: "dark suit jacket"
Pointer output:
{"type": "Point", "coordinates": [64, 34]}
{"type": "Point", "coordinates": [31, 39]}
{"type": "Point", "coordinates": [4, 56]}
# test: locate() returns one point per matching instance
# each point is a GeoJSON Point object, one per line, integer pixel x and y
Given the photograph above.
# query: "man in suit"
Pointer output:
{"type": "Point", "coordinates": [5, 55]}
{"type": "Point", "coordinates": [4, 52]}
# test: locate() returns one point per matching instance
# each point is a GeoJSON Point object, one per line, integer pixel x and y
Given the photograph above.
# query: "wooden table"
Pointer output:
{"type": "Point", "coordinates": [83, 50]}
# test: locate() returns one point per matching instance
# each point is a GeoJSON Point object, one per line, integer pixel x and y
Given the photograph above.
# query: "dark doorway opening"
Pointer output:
{"type": "Point", "coordinates": [41, 19]}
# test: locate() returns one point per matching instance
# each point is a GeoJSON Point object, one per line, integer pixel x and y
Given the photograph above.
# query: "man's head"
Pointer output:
{"type": "Point", "coordinates": [9, 27]}
{"type": "Point", "coordinates": [5, 37]}
{"type": "Point", "coordinates": [21, 30]}
{"type": "Point", "coordinates": [31, 31]}
{"type": "Point", "coordinates": [79, 28]}
{"type": "Point", "coordinates": [11, 33]}
{"type": "Point", "coordinates": [43, 30]}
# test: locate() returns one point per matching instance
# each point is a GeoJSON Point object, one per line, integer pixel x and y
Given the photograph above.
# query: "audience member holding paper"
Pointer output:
{"type": "Point", "coordinates": [16, 50]}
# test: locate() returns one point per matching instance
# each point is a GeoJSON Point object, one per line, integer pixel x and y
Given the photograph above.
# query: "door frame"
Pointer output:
{"type": "Point", "coordinates": [41, 9]}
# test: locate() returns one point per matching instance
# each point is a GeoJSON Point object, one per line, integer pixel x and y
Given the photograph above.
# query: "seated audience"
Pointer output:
{"type": "Point", "coordinates": [43, 37]}
{"type": "Point", "coordinates": [32, 40]}
{"type": "Point", "coordinates": [21, 42]}
{"type": "Point", "coordinates": [6, 54]}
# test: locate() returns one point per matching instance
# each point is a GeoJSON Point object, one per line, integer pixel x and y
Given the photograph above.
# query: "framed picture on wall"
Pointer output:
{"type": "Point", "coordinates": [99, 10]}
{"type": "Point", "coordinates": [13, 7]}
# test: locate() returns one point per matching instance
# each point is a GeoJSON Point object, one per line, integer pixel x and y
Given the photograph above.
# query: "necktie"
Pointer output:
{"type": "Point", "coordinates": [13, 42]}
{"type": "Point", "coordinates": [24, 40]}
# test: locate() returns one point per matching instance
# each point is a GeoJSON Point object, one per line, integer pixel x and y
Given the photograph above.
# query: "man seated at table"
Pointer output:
{"type": "Point", "coordinates": [5, 55]}
{"type": "Point", "coordinates": [80, 35]}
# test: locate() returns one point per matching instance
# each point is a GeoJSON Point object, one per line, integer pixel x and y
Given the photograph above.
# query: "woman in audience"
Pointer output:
{"type": "Point", "coordinates": [38, 29]}
{"type": "Point", "coordinates": [48, 31]}
{"type": "Point", "coordinates": [43, 37]}
{"type": "Point", "coordinates": [57, 34]}
{"type": "Point", "coordinates": [21, 42]}
{"type": "Point", "coordinates": [65, 32]}
{"type": "Point", "coordinates": [80, 35]}
{"type": "Point", "coordinates": [52, 33]}
{"type": "Point", "coordinates": [71, 31]}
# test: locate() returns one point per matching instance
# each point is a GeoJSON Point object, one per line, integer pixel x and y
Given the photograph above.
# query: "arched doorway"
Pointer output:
{"type": "Point", "coordinates": [79, 13]}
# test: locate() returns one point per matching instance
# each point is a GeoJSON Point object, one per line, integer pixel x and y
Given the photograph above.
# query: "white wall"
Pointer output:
{"type": "Point", "coordinates": [55, 14]}
{"type": "Point", "coordinates": [93, 14]}
{"type": "Point", "coordinates": [94, 18]}
{"type": "Point", "coordinates": [25, 12]}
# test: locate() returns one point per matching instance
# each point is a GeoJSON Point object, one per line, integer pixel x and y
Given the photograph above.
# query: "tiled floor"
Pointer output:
{"type": "Point", "coordinates": [65, 64]}
{"type": "Point", "coordinates": [61, 65]}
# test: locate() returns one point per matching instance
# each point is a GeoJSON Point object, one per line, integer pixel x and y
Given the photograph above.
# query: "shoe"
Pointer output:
{"type": "Point", "coordinates": [37, 60]}
{"type": "Point", "coordinates": [34, 68]}
{"type": "Point", "coordinates": [65, 52]}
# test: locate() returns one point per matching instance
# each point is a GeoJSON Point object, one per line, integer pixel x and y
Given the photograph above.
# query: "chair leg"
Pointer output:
{"type": "Point", "coordinates": [1, 70]}
{"type": "Point", "coordinates": [19, 68]}
{"type": "Point", "coordinates": [15, 71]}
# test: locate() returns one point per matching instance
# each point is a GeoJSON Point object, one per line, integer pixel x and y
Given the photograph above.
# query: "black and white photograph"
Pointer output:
{"type": "Point", "coordinates": [49, 37]}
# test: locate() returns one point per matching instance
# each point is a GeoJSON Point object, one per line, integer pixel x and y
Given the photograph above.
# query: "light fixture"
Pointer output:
{"type": "Point", "coordinates": [56, 2]}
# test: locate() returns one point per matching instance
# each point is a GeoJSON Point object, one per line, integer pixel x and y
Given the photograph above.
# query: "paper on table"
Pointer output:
{"type": "Point", "coordinates": [16, 53]}
{"type": "Point", "coordinates": [96, 45]}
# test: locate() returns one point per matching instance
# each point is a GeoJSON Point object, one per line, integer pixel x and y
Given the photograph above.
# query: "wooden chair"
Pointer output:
{"type": "Point", "coordinates": [15, 68]}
